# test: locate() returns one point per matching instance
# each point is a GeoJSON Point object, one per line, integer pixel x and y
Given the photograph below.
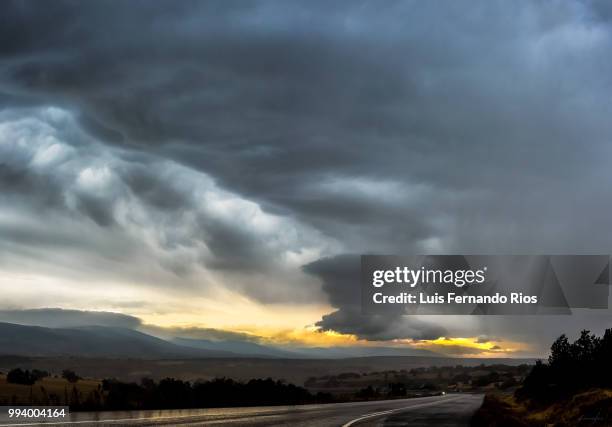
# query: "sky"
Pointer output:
{"type": "Point", "coordinates": [218, 166]}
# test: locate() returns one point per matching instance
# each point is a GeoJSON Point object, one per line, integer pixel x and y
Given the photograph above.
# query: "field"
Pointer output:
{"type": "Point", "coordinates": [48, 391]}
{"type": "Point", "coordinates": [421, 380]}
{"type": "Point", "coordinates": [296, 371]}
{"type": "Point", "coordinates": [344, 379]}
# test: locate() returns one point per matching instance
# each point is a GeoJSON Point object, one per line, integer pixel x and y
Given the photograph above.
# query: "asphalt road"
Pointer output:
{"type": "Point", "coordinates": [449, 410]}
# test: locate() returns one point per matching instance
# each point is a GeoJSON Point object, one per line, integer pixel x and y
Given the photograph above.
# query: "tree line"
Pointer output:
{"type": "Point", "coordinates": [571, 367]}
{"type": "Point", "coordinates": [27, 377]}
{"type": "Point", "coordinates": [169, 393]}
{"type": "Point", "coordinates": [221, 392]}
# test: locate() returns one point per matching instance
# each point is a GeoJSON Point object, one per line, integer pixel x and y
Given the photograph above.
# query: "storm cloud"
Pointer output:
{"type": "Point", "coordinates": [228, 144]}
{"type": "Point", "coordinates": [340, 277]}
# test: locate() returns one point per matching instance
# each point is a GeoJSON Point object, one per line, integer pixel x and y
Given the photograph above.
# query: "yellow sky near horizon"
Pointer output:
{"type": "Point", "coordinates": [273, 324]}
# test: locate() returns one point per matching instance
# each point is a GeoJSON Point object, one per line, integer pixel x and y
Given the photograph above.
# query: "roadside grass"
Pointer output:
{"type": "Point", "coordinates": [591, 407]}
{"type": "Point", "coordinates": [50, 390]}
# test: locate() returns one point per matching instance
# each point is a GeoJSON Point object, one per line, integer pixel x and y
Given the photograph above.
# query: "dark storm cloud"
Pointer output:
{"type": "Point", "coordinates": [399, 127]}
{"type": "Point", "coordinates": [275, 98]}
{"type": "Point", "coordinates": [483, 339]}
{"type": "Point", "coordinates": [349, 320]}
{"type": "Point", "coordinates": [340, 278]}
{"type": "Point", "coordinates": [73, 203]}
{"type": "Point", "coordinates": [146, 183]}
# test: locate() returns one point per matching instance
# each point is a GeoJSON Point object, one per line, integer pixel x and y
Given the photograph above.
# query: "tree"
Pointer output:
{"type": "Point", "coordinates": [39, 375]}
{"type": "Point", "coordinates": [560, 352]}
{"type": "Point", "coordinates": [70, 376]}
{"type": "Point", "coordinates": [19, 376]}
{"type": "Point", "coordinates": [584, 348]}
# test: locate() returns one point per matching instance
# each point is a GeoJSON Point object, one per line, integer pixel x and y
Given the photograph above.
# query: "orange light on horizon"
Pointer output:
{"type": "Point", "coordinates": [463, 345]}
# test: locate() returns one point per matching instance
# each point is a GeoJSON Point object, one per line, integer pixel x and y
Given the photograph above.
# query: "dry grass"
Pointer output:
{"type": "Point", "coordinates": [503, 410]}
{"type": "Point", "coordinates": [49, 390]}
{"type": "Point", "coordinates": [589, 403]}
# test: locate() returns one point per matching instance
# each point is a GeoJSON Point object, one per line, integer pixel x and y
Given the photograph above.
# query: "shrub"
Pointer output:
{"type": "Point", "coordinates": [19, 376]}
{"type": "Point", "coordinates": [70, 376]}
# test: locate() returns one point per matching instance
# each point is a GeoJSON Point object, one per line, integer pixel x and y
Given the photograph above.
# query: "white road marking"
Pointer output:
{"type": "Point", "coordinates": [376, 414]}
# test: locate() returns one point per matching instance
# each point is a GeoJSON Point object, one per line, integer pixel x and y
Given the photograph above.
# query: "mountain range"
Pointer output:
{"type": "Point", "coordinates": [121, 342]}
{"type": "Point", "coordinates": [92, 341]}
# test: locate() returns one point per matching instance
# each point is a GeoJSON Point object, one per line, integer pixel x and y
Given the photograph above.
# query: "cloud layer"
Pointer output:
{"type": "Point", "coordinates": [215, 145]}
{"type": "Point", "coordinates": [102, 213]}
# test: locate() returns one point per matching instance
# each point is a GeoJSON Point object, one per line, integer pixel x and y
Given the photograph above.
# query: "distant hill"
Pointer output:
{"type": "Point", "coordinates": [351, 352]}
{"type": "Point", "coordinates": [243, 348]}
{"type": "Point", "coordinates": [117, 342]}
{"type": "Point", "coordinates": [251, 349]}
{"type": "Point", "coordinates": [93, 341]}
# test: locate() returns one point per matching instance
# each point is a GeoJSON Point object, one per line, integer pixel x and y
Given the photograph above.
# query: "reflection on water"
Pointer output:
{"type": "Point", "coordinates": [116, 417]}
{"type": "Point", "coordinates": [167, 416]}
{"type": "Point", "coordinates": [172, 413]}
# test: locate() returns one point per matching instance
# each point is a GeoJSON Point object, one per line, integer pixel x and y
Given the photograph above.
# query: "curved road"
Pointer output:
{"type": "Point", "coordinates": [449, 410]}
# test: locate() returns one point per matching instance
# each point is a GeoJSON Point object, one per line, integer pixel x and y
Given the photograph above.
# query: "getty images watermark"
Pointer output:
{"type": "Point", "coordinates": [484, 284]}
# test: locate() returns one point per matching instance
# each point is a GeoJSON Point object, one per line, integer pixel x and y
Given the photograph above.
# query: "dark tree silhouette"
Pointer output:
{"type": "Point", "coordinates": [571, 367]}
{"type": "Point", "coordinates": [221, 392]}
{"type": "Point", "coordinates": [19, 376]}
{"type": "Point", "coordinates": [70, 376]}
